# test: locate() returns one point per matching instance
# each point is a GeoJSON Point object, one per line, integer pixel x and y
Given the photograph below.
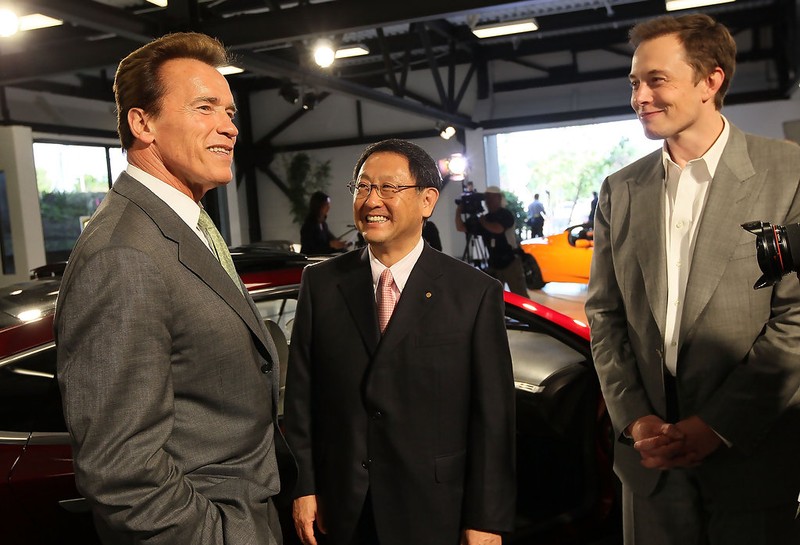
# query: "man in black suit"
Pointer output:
{"type": "Point", "coordinates": [406, 436]}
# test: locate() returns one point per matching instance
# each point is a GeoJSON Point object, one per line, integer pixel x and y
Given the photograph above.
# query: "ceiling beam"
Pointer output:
{"type": "Point", "coordinates": [280, 68]}
{"type": "Point", "coordinates": [100, 17]}
{"type": "Point", "coordinates": [303, 22]}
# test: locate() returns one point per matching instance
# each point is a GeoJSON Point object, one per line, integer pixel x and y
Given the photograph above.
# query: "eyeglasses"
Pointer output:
{"type": "Point", "coordinates": [361, 190]}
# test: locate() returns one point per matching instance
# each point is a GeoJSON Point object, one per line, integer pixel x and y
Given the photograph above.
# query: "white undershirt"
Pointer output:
{"type": "Point", "coordinates": [686, 191]}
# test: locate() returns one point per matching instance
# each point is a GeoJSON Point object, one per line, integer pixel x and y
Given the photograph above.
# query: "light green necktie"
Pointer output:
{"type": "Point", "coordinates": [218, 246]}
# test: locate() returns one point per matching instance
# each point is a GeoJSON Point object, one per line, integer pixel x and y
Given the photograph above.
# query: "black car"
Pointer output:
{"type": "Point", "coordinates": [567, 492]}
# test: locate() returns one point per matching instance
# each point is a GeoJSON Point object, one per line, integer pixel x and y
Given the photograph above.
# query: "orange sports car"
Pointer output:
{"type": "Point", "coordinates": [564, 257]}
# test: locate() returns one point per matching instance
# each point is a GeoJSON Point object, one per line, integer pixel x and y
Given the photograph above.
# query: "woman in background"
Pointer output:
{"type": "Point", "coordinates": [315, 237]}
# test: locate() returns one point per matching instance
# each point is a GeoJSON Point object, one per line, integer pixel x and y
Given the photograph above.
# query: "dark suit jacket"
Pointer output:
{"type": "Point", "coordinates": [739, 349]}
{"type": "Point", "coordinates": [168, 384]}
{"type": "Point", "coordinates": [423, 417]}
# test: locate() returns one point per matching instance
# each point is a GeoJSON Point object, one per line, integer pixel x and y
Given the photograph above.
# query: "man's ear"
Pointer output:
{"type": "Point", "coordinates": [140, 124]}
{"type": "Point", "coordinates": [429, 197]}
{"type": "Point", "coordinates": [713, 82]}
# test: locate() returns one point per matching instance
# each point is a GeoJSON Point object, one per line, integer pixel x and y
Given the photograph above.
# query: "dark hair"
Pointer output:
{"type": "Point", "coordinates": [315, 204]}
{"type": "Point", "coordinates": [137, 83]}
{"type": "Point", "coordinates": [707, 43]}
{"type": "Point", "coordinates": [421, 165]}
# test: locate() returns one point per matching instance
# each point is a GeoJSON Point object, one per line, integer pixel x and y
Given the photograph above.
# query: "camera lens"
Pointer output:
{"type": "Point", "coordinates": [774, 250]}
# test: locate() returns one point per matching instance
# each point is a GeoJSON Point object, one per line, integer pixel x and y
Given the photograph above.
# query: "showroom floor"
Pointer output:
{"type": "Point", "coordinates": [563, 297]}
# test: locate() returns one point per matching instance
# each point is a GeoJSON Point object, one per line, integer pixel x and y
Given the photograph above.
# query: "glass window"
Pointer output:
{"type": "Point", "coordinates": [281, 311]}
{"type": "Point", "coordinates": [29, 396]}
{"type": "Point", "coordinates": [72, 181]}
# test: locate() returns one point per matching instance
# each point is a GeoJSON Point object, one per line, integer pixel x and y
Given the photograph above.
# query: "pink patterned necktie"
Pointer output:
{"type": "Point", "coordinates": [387, 298]}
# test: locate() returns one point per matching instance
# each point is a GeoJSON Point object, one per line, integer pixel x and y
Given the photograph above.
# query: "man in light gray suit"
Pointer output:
{"type": "Point", "coordinates": [168, 376]}
{"type": "Point", "coordinates": [699, 371]}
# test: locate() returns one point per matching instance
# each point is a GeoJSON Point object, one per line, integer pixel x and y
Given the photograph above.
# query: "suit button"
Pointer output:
{"type": "Point", "coordinates": [266, 368]}
{"type": "Point", "coordinates": [377, 415]}
{"type": "Point", "coordinates": [365, 463]}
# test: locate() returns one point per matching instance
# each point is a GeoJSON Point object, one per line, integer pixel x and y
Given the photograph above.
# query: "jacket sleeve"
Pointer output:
{"type": "Point", "coordinates": [298, 399]}
{"type": "Point", "coordinates": [613, 356]}
{"type": "Point", "coordinates": [490, 485]}
{"type": "Point", "coordinates": [115, 376]}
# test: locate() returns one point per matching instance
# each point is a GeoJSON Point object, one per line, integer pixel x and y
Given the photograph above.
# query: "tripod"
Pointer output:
{"type": "Point", "coordinates": [475, 252]}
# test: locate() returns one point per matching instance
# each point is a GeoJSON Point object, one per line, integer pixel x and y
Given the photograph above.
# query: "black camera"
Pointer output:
{"type": "Point", "coordinates": [774, 245]}
{"type": "Point", "coordinates": [471, 203]}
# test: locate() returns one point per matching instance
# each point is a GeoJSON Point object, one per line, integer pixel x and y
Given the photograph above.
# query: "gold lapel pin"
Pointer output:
{"type": "Point", "coordinates": [428, 295]}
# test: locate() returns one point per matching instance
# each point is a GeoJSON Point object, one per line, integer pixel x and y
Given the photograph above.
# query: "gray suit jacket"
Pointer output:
{"type": "Point", "coordinates": [739, 351]}
{"type": "Point", "coordinates": [168, 382]}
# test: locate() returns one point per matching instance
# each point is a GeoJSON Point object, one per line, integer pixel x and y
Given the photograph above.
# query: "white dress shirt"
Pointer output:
{"type": "Point", "coordinates": [686, 191]}
{"type": "Point", "coordinates": [400, 270]}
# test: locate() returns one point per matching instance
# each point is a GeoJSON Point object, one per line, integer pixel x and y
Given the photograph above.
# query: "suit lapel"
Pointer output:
{"type": "Point", "coordinates": [194, 255]}
{"type": "Point", "coordinates": [730, 191]}
{"type": "Point", "coordinates": [356, 288]}
{"type": "Point", "coordinates": [647, 230]}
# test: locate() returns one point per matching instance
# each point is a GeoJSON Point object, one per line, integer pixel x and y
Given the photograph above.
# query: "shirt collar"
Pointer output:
{"type": "Point", "coordinates": [711, 157]}
{"type": "Point", "coordinates": [400, 270]}
{"type": "Point", "coordinates": [182, 204]}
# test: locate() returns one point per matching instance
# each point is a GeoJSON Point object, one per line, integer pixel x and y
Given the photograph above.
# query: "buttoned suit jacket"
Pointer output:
{"type": "Point", "coordinates": [168, 382]}
{"type": "Point", "coordinates": [739, 349]}
{"type": "Point", "coordinates": [422, 418]}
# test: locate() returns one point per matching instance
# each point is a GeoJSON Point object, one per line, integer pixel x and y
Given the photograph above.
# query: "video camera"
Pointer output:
{"type": "Point", "coordinates": [471, 201]}
{"type": "Point", "coordinates": [774, 244]}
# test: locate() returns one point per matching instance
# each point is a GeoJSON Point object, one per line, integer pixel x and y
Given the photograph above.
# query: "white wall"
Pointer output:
{"type": "Point", "coordinates": [16, 160]}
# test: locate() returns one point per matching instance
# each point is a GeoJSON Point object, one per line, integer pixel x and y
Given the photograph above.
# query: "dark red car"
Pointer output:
{"type": "Point", "coordinates": [566, 489]}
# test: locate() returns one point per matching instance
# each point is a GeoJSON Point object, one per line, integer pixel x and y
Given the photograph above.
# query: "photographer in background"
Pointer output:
{"type": "Point", "coordinates": [496, 227]}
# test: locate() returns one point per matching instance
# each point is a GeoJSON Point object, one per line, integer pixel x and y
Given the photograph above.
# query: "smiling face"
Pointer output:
{"type": "Point", "coordinates": [666, 93]}
{"type": "Point", "coordinates": [189, 144]}
{"type": "Point", "coordinates": [392, 227]}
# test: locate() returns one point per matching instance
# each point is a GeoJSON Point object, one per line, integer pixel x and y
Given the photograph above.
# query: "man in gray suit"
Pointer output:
{"type": "Point", "coordinates": [168, 376]}
{"type": "Point", "coordinates": [699, 371]}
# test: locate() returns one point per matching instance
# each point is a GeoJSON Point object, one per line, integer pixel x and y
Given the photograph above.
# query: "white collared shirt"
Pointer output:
{"type": "Point", "coordinates": [400, 270]}
{"type": "Point", "coordinates": [686, 191]}
{"type": "Point", "coordinates": [182, 204]}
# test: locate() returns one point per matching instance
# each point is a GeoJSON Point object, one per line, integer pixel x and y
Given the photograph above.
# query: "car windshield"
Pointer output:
{"type": "Point", "coordinates": [27, 301]}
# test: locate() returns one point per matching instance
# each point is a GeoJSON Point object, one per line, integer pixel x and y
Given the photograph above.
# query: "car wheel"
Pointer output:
{"type": "Point", "coordinates": [533, 274]}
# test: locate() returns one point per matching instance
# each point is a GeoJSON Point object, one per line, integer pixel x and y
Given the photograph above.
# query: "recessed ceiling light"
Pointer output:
{"type": "Point", "coordinates": [37, 20]}
{"type": "Point", "coordinates": [159, 3]}
{"type": "Point", "coordinates": [229, 69]}
{"type": "Point", "coordinates": [675, 5]}
{"type": "Point", "coordinates": [506, 28]}
{"type": "Point", "coordinates": [356, 50]}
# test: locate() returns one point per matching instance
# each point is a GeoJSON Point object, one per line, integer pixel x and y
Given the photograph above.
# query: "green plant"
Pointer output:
{"type": "Point", "coordinates": [515, 206]}
{"type": "Point", "coordinates": [304, 176]}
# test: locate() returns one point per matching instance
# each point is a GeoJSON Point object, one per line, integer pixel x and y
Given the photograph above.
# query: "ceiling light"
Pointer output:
{"type": "Point", "coordinates": [159, 3]}
{"type": "Point", "coordinates": [289, 93]}
{"type": "Point", "coordinates": [229, 69]}
{"type": "Point", "coordinates": [356, 50]}
{"type": "Point", "coordinates": [37, 20]}
{"type": "Point", "coordinates": [9, 23]}
{"type": "Point", "coordinates": [323, 53]}
{"type": "Point", "coordinates": [506, 28]}
{"type": "Point", "coordinates": [447, 132]}
{"type": "Point", "coordinates": [675, 5]}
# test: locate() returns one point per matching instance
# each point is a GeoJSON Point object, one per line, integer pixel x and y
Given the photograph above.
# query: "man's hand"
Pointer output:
{"type": "Point", "coordinates": [657, 442]}
{"type": "Point", "coordinates": [477, 537]}
{"type": "Point", "coordinates": [304, 513]}
{"type": "Point", "coordinates": [701, 440]}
